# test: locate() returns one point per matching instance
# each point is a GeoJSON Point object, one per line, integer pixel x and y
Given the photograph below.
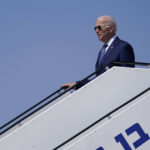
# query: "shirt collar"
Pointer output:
{"type": "Point", "coordinates": [110, 42]}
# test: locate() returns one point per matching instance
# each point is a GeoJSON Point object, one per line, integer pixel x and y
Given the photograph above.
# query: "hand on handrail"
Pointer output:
{"type": "Point", "coordinates": [68, 85]}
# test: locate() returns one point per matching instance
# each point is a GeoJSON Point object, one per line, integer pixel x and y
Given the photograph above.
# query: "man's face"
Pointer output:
{"type": "Point", "coordinates": [103, 33]}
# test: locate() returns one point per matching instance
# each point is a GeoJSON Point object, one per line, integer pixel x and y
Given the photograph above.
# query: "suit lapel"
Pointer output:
{"type": "Point", "coordinates": [111, 48]}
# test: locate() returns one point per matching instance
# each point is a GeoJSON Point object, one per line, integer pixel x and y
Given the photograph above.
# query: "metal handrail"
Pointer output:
{"type": "Point", "coordinates": [37, 106]}
{"type": "Point", "coordinates": [132, 63]}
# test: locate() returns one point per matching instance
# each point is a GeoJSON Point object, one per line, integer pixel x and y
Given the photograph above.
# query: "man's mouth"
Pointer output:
{"type": "Point", "coordinates": [98, 35]}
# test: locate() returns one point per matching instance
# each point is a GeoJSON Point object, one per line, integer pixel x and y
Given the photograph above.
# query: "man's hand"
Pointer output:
{"type": "Point", "coordinates": [68, 85]}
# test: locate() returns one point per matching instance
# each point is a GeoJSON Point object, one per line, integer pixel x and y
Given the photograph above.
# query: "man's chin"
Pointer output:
{"type": "Point", "coordinates": [99, 38]}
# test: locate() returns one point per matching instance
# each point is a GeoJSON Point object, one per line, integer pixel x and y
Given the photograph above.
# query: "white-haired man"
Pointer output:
{"type": "Point", "coordinates": [113, 49]}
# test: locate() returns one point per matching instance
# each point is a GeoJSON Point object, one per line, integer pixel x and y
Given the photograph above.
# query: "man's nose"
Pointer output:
{"type": "Point", "coordinates": [96, 30]}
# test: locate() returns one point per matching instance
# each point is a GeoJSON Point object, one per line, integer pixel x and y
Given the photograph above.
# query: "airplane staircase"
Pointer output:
{"type": "Point", "coordinates": [110, 112]}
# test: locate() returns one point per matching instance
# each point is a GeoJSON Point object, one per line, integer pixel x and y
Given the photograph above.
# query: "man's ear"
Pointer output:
{"type": "Point", "coordinates": [111, 29]}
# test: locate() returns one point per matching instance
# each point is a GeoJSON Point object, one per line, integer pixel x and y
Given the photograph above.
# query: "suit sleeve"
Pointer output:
{"type": "Point", "coordinates": [127, 55]}
{"type": "Point", "coordinates": [81, 83]}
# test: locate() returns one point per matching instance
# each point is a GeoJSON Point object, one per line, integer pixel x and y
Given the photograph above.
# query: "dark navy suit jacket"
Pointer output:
{"type": "Point", "coordinates": [120, 51]}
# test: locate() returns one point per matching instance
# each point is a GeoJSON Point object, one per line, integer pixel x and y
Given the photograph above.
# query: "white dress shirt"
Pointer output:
{"type": "Point", "coordinates": [110, 42]}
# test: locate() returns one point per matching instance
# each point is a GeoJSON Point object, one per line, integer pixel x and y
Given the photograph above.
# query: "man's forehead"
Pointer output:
{"type": "Point", "coordinates": [100, 21]}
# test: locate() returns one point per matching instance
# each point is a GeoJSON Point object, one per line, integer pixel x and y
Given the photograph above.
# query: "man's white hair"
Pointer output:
{"type": "Point", "coordinates": [110, 21]}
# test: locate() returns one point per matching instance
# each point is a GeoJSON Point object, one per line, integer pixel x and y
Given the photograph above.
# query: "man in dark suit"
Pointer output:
{"type": "Point", "coordinates": [113, 49]}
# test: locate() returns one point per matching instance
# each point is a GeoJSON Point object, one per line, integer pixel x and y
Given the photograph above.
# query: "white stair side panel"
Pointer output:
{"type": "Point", "coordinates": [135, 116]}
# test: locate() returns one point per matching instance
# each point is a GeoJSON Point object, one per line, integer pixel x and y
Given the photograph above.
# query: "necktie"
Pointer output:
{"type": "Point", "coordinates": [101, 54]}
